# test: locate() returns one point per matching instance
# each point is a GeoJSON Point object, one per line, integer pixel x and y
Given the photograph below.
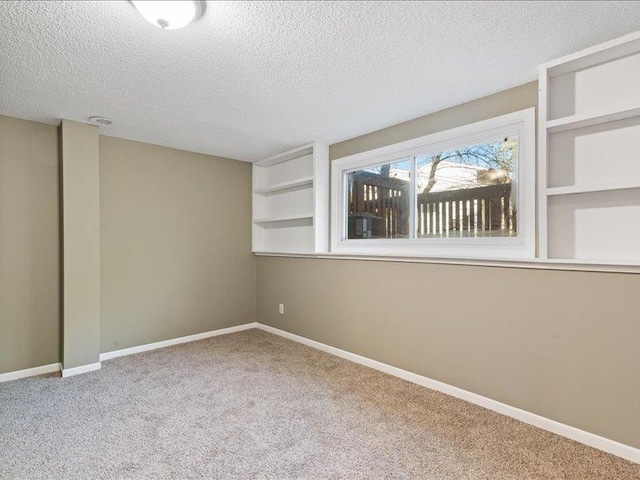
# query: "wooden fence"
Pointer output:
{"type": "Point", "coordinates": [385, 198]}
{"type": "Point", "coordinates": [470, 212]}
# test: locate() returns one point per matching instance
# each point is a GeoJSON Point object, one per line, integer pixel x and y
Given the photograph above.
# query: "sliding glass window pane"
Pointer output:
{"type": "Point", "coordinates": [468, 192]}
{"type": "Point", "coordinates": [378, 201]}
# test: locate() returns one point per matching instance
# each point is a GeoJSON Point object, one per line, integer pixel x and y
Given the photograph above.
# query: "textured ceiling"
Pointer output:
{"type": "Point", "coordinates": [250, 79]}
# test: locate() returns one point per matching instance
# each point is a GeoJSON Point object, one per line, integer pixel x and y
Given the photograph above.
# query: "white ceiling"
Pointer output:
{"type": "Point", "coordinates": [250, 79]}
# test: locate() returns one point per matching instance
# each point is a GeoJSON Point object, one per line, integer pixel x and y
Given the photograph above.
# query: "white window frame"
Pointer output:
{"type": "Point", "coordinates": [520, 247]}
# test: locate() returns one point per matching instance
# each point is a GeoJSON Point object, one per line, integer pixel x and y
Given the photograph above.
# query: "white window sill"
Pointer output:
{"type": "Point", "coordinates": [498, 249]}
{"type": "Point", "coordinates": [532, 264]}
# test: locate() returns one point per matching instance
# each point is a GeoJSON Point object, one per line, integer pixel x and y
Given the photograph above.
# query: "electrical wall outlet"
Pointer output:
{"type": "Point", "coordinates": [281, 308]}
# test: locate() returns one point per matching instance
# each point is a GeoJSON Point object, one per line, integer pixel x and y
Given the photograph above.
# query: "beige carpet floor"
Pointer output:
{"type": "Point", "coordinates": [252, 405]}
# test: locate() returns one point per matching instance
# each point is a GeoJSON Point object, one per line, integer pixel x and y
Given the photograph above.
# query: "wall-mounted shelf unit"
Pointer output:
{"type": "Point", "coordinates": [589, 171]}
{"type": "Point", "coordinates": [291, 201]}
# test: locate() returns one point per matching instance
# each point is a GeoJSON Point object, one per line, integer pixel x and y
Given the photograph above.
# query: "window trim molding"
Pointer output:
{"type": "Point", "coordinates": [523, 246]}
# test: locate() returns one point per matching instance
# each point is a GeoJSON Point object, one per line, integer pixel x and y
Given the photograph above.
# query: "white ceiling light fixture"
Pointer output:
{"type": "Point", "coordinates": [170, 15]}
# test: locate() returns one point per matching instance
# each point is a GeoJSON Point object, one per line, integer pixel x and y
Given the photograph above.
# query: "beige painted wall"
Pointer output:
{"type": "Point", "coordinates": [81, 244]}
{"type": "Point", "coordinates": [559, 344]}
{"type": "Point", "coordinates": [176, 243]}
{"type": "Point", "coordinates": [29, 245]}
{"type": "Point", "coordinates": [518, 98]}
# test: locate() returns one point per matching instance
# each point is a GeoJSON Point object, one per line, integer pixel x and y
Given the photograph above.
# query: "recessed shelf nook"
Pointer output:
{"type": "Point", "coordinates": [291, 202]}
{"type": "Point", "coordinates": [589, 173]}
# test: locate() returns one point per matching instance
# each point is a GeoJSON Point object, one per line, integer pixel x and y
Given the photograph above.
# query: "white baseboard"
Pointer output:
{"type": "Point", "coordinates": [30, 372]}
{"type": "Point", "coordinates": [611, 446]}
{"type": "Point", "coordinates": [174, 341]}
{"type": "Point", "coordinates": [70, 372]}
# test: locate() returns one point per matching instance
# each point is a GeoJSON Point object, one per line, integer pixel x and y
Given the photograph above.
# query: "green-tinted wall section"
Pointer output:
{"type": "Point", "coordinates": [81, 244]}
{"type": "Point", "coordinates": [176, 243]}
{"type": "Point", "coordinates": [175, 246]}
{"type": "Point", "coordinates": [29, 245]}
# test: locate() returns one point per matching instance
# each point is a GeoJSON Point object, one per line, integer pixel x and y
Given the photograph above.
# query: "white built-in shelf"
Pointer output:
{"type": "Point", "coordinates": [291, 201]}
{"type": "Point", "coordinates": [284, 218]}
{"type": "Point", "coordinates": [573, 189]}
{"type": "Point", "coordinates": [574, 122]}
{"type": "Point", "coordinates": [589, 136]}
{"type": "Point", "coordinates": [284, 186]}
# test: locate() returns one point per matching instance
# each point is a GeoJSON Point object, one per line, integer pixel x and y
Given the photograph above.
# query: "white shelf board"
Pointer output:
{"type": "Point", "coordinates": [283, 218]}
{"type": "Point", "coordinates": [580, 121]}
{"type": "Point", "coordinates": [572, 190]}
{"type": "Point", "coordinates": [612, 50]}
{"type": "Point", "coordinates": [286, 156]}
{"type": "Point", "coordinates": [283, 186]}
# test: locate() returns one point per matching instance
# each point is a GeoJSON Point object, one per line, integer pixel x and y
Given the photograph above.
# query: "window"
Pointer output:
{"type": "Point", "coordinates": [379, 201]}
{"type": "Point", "coordinates": [468, 192]}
